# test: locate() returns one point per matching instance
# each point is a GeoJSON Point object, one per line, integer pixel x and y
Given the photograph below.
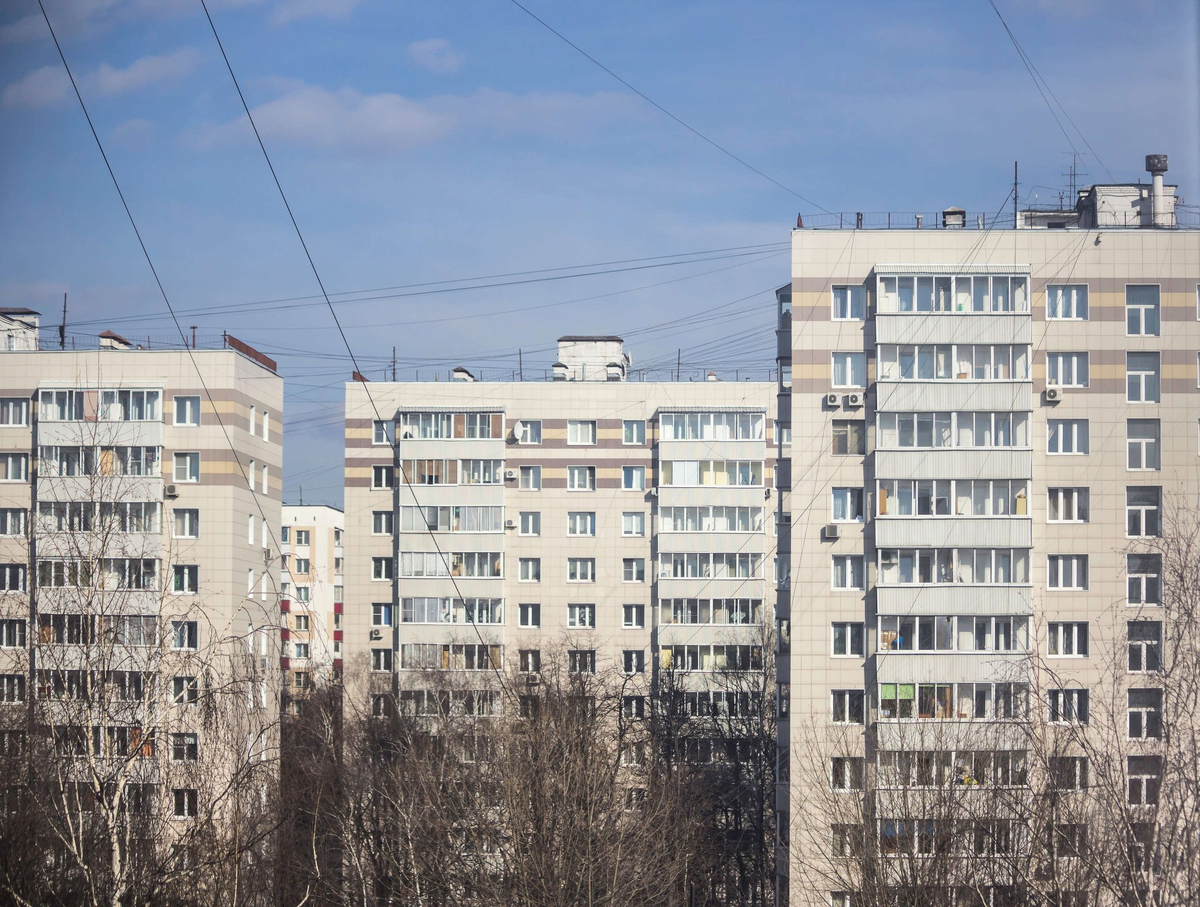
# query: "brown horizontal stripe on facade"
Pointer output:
{"type": "Point", "coordinates": [1179, 386]}
{"type": "Point", "coordinates": [808, 356]}
{"type": "Point", "coordinates": [359, 424]}
{"type": "Point", "coordinates": [1179, 357]}
{"type": "Point", "coordinates": [367, 462]}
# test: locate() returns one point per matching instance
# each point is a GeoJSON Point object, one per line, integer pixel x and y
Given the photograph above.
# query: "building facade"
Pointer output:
{"type": "Point", "coordinates": [140, 581]}
{"type": "Point", "coordinates": [615, 525]}
{"type": "Point", "coordinates": [987, 427]}
{"type": "Point", "coordinates": [311, 593]}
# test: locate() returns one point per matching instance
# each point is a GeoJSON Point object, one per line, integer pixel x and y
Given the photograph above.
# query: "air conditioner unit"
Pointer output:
{"type": "Point", "coordinates": [170, 491]}
{"type": "Point", "coordinates": [833, 401]}
{"type": "Point", "coordinates": [831, 531]}
{"type": "Point", "coordinates": [1053, 394]}
{"type": "Point", "coordinates": [510, 473]}
{"type": "Point", "coordinates": [510, 524]}
{"type": "Point", "coordinates": [533, 680]}
{"type": "Point", "coordinates": [854, 399]}
{"type": "Point", "coordinates": [267, 557]}
{"type": "Point", "coordinates": [376, 634]}
{"type": "Point", "coordinates": [653, 492]}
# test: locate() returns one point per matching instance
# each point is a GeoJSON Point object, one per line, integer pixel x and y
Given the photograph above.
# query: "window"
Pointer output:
{"type": "Point", "coordinates": [528, 431]}
{"type": "Point", "coordinates": [60, 406]}
{"type": "Point", "coordinates": [849, 369]}
{"type": "Point", "coordinates": [847, 772]}
{"type": "Point", "coordinates": [530, 614]}
{"type": "Point", "coordinates": [481, 472]}
{"type": "Point", "coordinates": [12, 633]}
{"type": "Point", "coordinates": [581, 661]}
{"type": "Point", "coordinates": [848, 706]}
{"type": "Point", "coordinates": [303, 593]}
{"type": "Point", "coordinates": [848, 572]}
{"type": "Point", "coordinates": [580, 432]}
{"type": "Point", "coordinates": [382, 432]}
{"type": "Point", "coordinates": [1068, 706]}
{"type": "Point", "coordinates": [633, 617]}
{"type": "Point", "coordinates": [531, 522]}
{"type": "Point", "coordinates": [129, 406]}
{"type": "Point", "coordinates": [187, 410]}
{"type": "Point", "coordinates": [266, 426]}
{"type": "Point", "coordinates": [12, 688]}
{"type": "Point", "coordinates": [633, 570]}
{"type": "Point", "coordinates": [1067, 369]}
{"type": "Point", "coordinates": [265, 482]}
{"type": "Point", "coordinates": [1143, 511]}
{"type": "Point", "coordinates": [1067, 302]}
{"type": "Point", "coordinates": [253, 419]}
{"type": "Point", "coordinates": [12, 521]}
{"type": "Point", "coordinates": [633, 523]}
{"type": "Point", "coordinates": [1144, 579]}
{"type": "Point", "coordinates": [1142, 377]}
{"type": "Point", "coordinates": [1068, 639]}
{"type": "Point", "coordinates": [847, 505]}
{"type": "Point", "coordinates": [906, 566]}
{"type": "Point", "coordinates": [581, 570]}
{"type": "Point", "coordinates": [711, 426]}
{"type": "Point", "coordinates": [633, 431]}
{"type": "Point", "coordinates": [849, 438]}
{"type": "Point", "coordinates": [581, 478]}
{"type": "Point", "coordinates": [185, 690]}
{"type": "Point", "coordinates": [183, 634]}
{"type": "Point", "coordinates": [581, 616]}
{"type": "Point", "coordinates": [1141, 310]}
{"type": "Point", "coordinates": [381, 659]}
{"type": "Point", "coordinates": [383, 476]}
{"type": "Point", "coordinates": [14, 467]}
{"type": "Point", "coordinates": [1068, 772]}
{"type": "Point", "coordinates": [381, 568]}
{"type": "Point", "coordinates": [849, 303]}
{"type": "Point", "coordinates": [186, 578]}
{"type": "Point", "coordinates": [1067, 505]}
{"type": "Point", "coordinates": [531, 478]}
{"type": "Point", "coordinates": [633, 707]}
{"type": "Point", "coordinates": [302, 650]}
{"type": "Point", "coordinates": [1145, 714]}
{"type": "Point", "coordinates": [1145, 778]}
{"type": "Point", "coordinates": [581, 523]}
{"type": "Point", "coordinates": [185, 803]}
{"type": "Point", "coordinates": [1067, 436]}
{"type": "Point", "coordinates": [381, 614]}
{"type": "Point", "coordinates": [187, 467]}
{"type": "Point", "coordinates": [848, 639]}
{"type": "Point", "coordinates": [14, 411]}
{"type": "Point", "coordinates": [530, 570]}
{"type": "Point", "coordinates": [1143, 444]}
{"type": "Point", "coordinates": [382, 522]}
{"type": "Point", "coordinates": [12, 577]}
{"type": "Point", "coordinates": [633, 478]}
{"type": "Point", "coordinates": [1144, 645]}
{"type": "Point", "coordinates": [633, 661]}
{"type": "Point", "coordinates": [185, 747]}
{"type": "Point", "coordinates": [1067, 571]}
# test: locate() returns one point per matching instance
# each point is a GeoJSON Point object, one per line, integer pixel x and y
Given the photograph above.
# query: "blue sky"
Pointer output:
{"type": "Point", "coordinates": [423, 142]}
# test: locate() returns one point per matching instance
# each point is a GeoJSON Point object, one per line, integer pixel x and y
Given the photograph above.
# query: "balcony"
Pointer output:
{"type": "Point", "coordinates": [945, 532]}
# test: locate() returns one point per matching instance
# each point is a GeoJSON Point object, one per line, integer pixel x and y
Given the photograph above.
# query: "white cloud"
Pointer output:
{"type": "Point", "coordinates": [436, 55]}
{"type": "Point", "coordinates": [292, 10]}
{"type": "Point", "coordinates": [389, 123]}
{"type": "Point", "coordinates": [133, 133]}
{"type": "Point", "coordinates": [49, 85]}
{"type": "Point", "coordinates": [145, 71]}
{"type": "Point", "coordinates": [41, 88]}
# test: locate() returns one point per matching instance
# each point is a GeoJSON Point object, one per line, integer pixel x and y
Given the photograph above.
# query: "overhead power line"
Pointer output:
{"type": "Point", "coordinates": [649, 100]}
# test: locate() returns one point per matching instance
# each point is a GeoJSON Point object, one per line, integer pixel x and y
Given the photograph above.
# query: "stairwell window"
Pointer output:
{"type": "Point", "coordinates": [1144, 645]}
{"type": "Point", "coordinates": [1144, 579]}
{"type": "Point", "coordinates": [1143, 511]}
{"type": "Point", "coordinates": [1145, 714]}
{"type": "Point", "coordinates": [1143, 444]}
{"type": "Point", "coordinates": [1142, 310]}
{"type": "Point", "coordinates": [1142, 377]}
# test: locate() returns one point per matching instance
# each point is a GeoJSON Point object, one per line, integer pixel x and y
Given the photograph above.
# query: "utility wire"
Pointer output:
{"type": "Point", "coordinates": [1035, 75]}
{"type": "Point", "coordinates": [649, 100]}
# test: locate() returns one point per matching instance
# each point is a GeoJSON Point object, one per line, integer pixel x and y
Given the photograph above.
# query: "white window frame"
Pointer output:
{"type": "Point", "coordinates": [1076, 297]}
{"type": "Point", "coordinates": [635, 519]}
{"type": "Point", "coordinates": [582, 432]}
{"type": "Point", "coordinates": [633, 478]}
{"type": "Point", "coordinates": [853, 630]}
{"type": "Point", "coordinates": [1078, 439]}
{"type": "Point", "coordinates": [1073, 498]}
{"type": "Point", "coordinates": [635, 567]}
{"type": "Point", "coordinates": [383, 476]}
{"type": "Point", "coordinates": [1148, 450]}
{"type": "Point", "coordinates": [531, 478]}
{"type": "Point", "coordinates": [1058, 566]}
{"type": "Point", "coordinates": [578, 565]}
{"type": "Point", "coordinates": [529, 433]}
{"type": "Point", "coordinates": [849, 560]}
{"type": "Point", "coordinates": [529, 614]}
{"type": "Point", "coordinates": [635, 428]}
{"type": "Point", "coordinates": [581, 523]}
{"type": "Point", "coordinates": [846, 698]}
{"type": "Point", "coordinates": [1138, 311]}
{"type": "Point", "coordinates": [848, 492]}
{"type": "Point", "coordinates": [383, 522]}
{"type": "Point", "coordinates": [383, 432]}
{"type": "Point", "coordinates": [183, 406]}
{"type": "Point", "coordinates": [589, 475]}
{"type": "Point", "coordinates": [849, 363]}
{"type": "Point", "coordinates": [581, 616]}
{"type": "Point", "coordinates": [845, 300]}
{"type": "Point", "coordinates": [530, 522]}
{"type": "Point", "coordinates": [1144, 580]}
{"type": "Point", "coordinates": [1067, 639]}
{"type": "Point", "coordinates": [1144, 381]}
{"type": "Point", "coordinates": [633, 616]}
{"type": "Point", "coordinates": [1144, 513]}
{"type": "Point", "coordinates": [1068, 369]}
{"type": "Point", "coordinates": [529, 570]}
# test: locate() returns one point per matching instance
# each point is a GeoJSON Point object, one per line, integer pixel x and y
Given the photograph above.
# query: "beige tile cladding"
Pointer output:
{"type": "Point", "coordinates": [554, 403]}
{"type": "Point", "coordinates": [1107, 261]}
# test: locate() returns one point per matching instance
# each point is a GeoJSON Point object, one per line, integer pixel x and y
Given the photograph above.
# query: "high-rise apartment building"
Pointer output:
{"type": "Point", "coordinates": [619, 525]}
{"type": "Point", "coordinates": [987, 425]}
{"type": "Point", "coordinates": [139, 508]}
{"type": "Point", "coordinates": [311, 593]}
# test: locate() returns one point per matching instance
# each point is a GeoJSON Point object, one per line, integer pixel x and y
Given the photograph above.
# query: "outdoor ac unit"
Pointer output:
{"type": "Point", "coordinates": [510, 524]}
{"type": "Point", "coordinates": [653, 492]}
{"type": "Point", "coordinates": [831, 531]}
{"type": "Point", "coordinates": [510, 473]}
{"type": "Point", "coordinates": [854, 399]}
{"type": "Point", "coordinates": [833, 401]}
{"type": "Point", "coordinates": [170, 491]}
{"type": "Point", "coordinates": [267, 557]}
{"type": "Point", "coordinates": [376, 634]}
{"type": "Point", "coordinates": [532, 679]}
{"type": "Point", "coordinates": [1053, 394]}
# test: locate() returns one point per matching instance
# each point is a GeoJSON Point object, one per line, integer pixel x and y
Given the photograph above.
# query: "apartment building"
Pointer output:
{"type": "Point", "coordinates": [139, 508]}
{"type": "Point", "coordinates": [617, 525]}
{"type": "Point", "coordinates": [311, 594]}
{"type": "Point", "coordinates": [986, 426]}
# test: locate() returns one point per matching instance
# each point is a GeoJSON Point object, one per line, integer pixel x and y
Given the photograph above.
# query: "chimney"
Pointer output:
{"type": "Point", "coordinates": [1157, 165]}
{"type": "Point", "coordinates": [954, 218]}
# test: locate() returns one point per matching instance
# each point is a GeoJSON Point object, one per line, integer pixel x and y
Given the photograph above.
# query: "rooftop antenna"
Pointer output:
{"type": "Point", "coordinates": [1016, 197]}
{"type": "Point", "coordinates": [521, 363]}
{"type": "Point", "coordinates": [62, 328]}
{"type": "Point", "coordinates": [301, 495]}
{"type": "Point", "coordinates": [393, 365]}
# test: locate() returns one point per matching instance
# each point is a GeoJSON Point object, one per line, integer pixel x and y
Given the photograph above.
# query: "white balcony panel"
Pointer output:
{"type": "Point", "coordinates": [452, 496]}
{"type": "Point", "coordinates": [711, 634]}
{"type": "Point", "coordinates": [100, 434]}
{"type": "Point", "coordinates": [944, 396]}
{"type": "Point", "coordinates": [943, 532]}
{"type": "Point", "coordinates": [493, 634]}
{"type": "Point", "coordinates": [449, 449]}
{"type": "Point", "coordinates": [707, 587]}
{"type": "Point", "coordinates": [953, 327]}
{"type": "Point", "coordinates": [954, 462]}
{"type": "Point", "coordinates": [712, 450]}
{"type": "Point", "coordinates": [953, 667]}
{"type": "Point", "coordinates": [954, 598]}
{"type": "Point", "coordinates": [724, 495]}
{"type": "Point", "coordinates": [950, 735]}
{"type": "Point", "coordinates": [730, 542]}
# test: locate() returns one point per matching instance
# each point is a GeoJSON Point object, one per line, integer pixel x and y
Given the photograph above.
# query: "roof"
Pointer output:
{"type": "Point", "coordinates": [18, 311]}
{"type": "Point", "coordinates": [583, 338]}
{"type": "Point", "coordinates": [113, 335]}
